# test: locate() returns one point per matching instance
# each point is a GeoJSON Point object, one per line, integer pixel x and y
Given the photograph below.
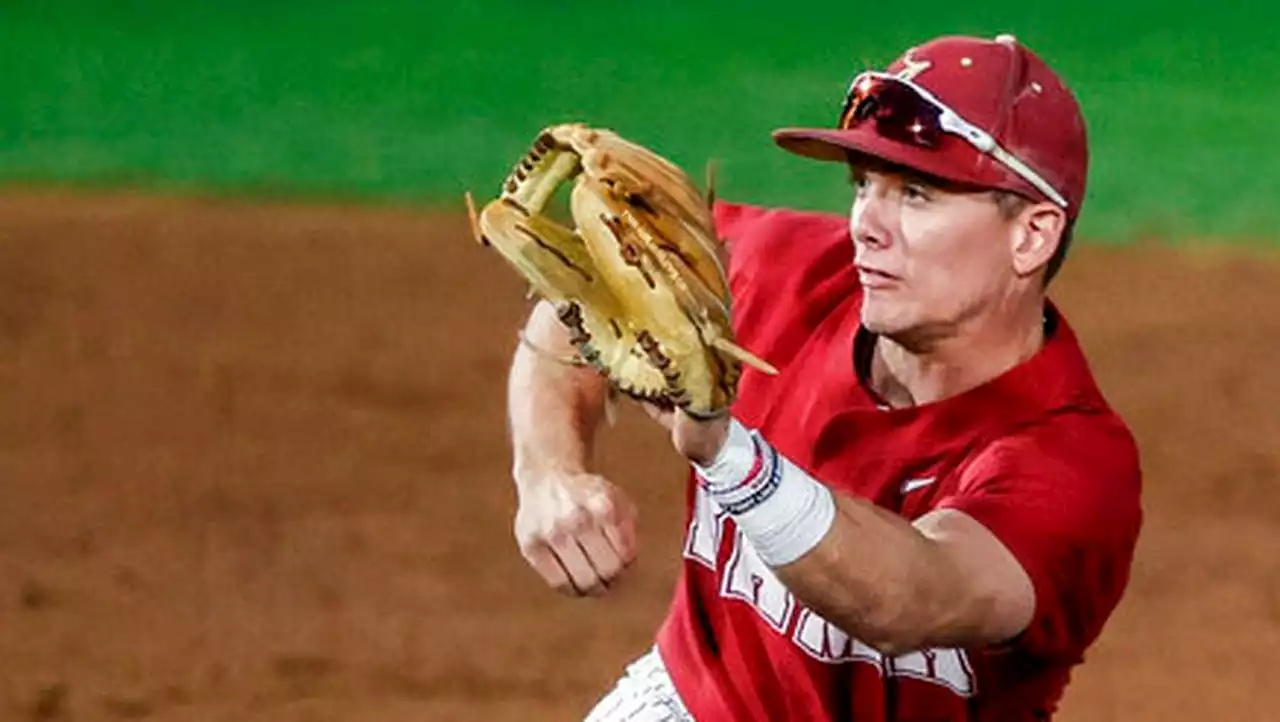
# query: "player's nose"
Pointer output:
{"type": "Point", "coordinates": [867, 221]}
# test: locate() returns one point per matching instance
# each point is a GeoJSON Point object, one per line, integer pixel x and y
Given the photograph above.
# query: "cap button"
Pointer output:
{"type": "Point", "coordinates": [1006, 38]}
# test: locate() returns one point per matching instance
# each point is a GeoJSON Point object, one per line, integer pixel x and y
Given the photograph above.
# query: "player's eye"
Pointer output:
{"type": "Point", "coordinates": [857, 180]}
{"type": "Point", "coordinates": [920, 192]}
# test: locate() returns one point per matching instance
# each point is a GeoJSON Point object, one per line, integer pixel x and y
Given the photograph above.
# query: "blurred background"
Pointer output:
{"type": "Point", "coordinates": [253, 460]}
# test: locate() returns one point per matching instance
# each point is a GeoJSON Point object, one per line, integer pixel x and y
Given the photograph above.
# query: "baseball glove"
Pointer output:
{"type": "Point", "coordinates": [639, 280]}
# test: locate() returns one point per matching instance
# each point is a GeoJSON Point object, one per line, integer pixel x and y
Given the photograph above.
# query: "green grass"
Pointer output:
{"type": "Point", "coordinates": [403, 101]}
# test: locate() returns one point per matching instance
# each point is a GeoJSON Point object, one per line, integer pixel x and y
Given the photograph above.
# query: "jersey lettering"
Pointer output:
{"type": "Point", "coordinates": [827, 643]}
{"type": "Point", "coordinates": [947, 667]}
{"type": "Point", "coordinates": [705, 531]}
{"type": "Point", "coordinates": [746, 578]}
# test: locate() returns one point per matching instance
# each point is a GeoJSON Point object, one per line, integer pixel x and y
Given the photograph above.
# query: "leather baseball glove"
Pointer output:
{"type": "Point", "coordinates": [639, 279]}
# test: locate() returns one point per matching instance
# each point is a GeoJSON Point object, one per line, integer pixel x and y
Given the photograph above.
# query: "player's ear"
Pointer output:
{"type": "Point", "coordinates": [1035, 234]}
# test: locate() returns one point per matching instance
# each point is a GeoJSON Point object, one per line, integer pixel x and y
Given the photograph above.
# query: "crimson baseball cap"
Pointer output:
{"type": "Point", "coordinates": [1001, 87]}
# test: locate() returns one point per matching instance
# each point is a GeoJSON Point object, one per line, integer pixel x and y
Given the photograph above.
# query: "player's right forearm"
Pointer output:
{"type": "Point", "coordinates": [554, 408]}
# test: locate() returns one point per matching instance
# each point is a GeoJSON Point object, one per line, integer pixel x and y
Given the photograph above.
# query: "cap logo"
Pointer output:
{"type": "Point", "coordinates": [912, 67]}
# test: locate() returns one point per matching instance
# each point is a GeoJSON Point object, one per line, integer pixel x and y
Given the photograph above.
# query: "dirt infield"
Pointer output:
{"type": "Point", "coordinates": [253, 467]}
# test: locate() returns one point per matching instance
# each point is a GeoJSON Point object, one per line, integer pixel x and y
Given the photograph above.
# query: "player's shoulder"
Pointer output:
{"type": "Point", "coordinates": [734, 219]}
{"type": "Point", "coordinates": [1084, 450]}
{"type": "Point", "coordinates": [774, 247]}
{"type": "Point", "coordinates": [787, 270]}
{"type": "Point", "coordinates": [786, 266]}
{"type": "Point", "coordinates": [1090, 435]}
{"type": "Point", "coordinates": [1067, 418]}
{"type": "Point", "coordinates": [750, 229]}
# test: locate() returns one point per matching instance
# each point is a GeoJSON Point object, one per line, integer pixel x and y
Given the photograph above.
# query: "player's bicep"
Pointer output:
{"type": "Point", "coordinates": [996, 600]}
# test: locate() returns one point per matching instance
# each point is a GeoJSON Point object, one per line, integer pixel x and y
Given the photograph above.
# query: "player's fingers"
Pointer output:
{"type": "Point", "coordinates": [600, 554]}
{"type": "Point", "coordinates": [581, 574]}
{"type": "Point", "coordinates": [616, 517]}
{"type": "Point", "coordinates": [621, 535]}
{"type": "Point", "coordinates": [545, 563]}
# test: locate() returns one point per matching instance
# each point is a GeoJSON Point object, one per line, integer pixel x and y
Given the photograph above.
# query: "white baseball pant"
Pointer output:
{"type": "Point", "coordinates": [644, 694]}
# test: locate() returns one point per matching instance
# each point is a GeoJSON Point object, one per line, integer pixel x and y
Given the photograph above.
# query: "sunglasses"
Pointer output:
{"type": "Point", "coordinates": [905, 112]}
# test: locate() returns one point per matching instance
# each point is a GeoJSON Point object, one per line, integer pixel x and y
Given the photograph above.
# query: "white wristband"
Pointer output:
{"type": "Point", "coordinates": [733, 463]}
{"type": "Point", "coordinates": [782, 510]}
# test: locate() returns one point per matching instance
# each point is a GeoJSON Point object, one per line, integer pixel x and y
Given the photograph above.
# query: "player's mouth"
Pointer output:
{"type": "Point", "coordinates": [874, 278]}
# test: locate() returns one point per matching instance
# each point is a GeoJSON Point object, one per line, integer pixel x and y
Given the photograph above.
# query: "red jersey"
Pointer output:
{"type": "Point", "coordinates": [1035, 455]}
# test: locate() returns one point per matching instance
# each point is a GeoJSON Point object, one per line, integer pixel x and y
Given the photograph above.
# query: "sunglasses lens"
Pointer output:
{"type": "Point", "coordinates": [899, 113]}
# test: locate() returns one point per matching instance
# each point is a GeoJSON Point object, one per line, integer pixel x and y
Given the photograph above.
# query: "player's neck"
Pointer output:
{"type": "Point", "coordinates": [983, 348]}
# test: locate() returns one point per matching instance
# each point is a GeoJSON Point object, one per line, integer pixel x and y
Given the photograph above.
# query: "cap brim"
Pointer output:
{"type": "Point", "coordinates": [957, 162]}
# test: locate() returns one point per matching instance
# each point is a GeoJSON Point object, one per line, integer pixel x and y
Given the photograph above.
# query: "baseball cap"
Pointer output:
{"type": "Point", "coordinates": [996, 95]}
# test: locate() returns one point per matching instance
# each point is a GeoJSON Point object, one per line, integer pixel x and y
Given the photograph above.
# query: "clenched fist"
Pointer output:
{"type": "Point", "coordinates": [576, 530]}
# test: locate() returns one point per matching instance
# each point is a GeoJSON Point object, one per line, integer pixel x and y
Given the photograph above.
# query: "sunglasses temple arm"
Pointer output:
{"type": "Point", "coordinates": [952, 121]}
{"type": "Point", "coordinates": [1027, 174]}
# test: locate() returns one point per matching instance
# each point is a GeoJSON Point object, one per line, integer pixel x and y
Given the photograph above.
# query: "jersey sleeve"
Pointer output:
{"type": "Point", "coordinates": [1065, 500]}
{"type": "Point", "coordinates": [787, 269]}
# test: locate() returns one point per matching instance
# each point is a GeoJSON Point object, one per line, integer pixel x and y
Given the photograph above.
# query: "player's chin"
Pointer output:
{"type": "Point", "coordinates": [885, 317]}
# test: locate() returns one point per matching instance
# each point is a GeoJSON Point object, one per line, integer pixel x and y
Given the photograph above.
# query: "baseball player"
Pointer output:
{"type": "Point", "coordinates": [931, 511]}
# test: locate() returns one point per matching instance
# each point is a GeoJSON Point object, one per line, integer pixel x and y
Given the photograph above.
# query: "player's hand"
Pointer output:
{"type": "Point", "coordinates": [576, 530]}
{"type": "Point", "coordinates": [696, 440]}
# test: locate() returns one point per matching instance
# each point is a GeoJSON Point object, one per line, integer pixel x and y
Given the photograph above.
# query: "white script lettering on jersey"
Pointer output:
{"type": "Point", "coordinates": [750, 581]}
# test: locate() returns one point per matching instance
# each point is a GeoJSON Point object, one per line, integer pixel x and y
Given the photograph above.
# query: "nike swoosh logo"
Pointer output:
{"type": "Point", "coordinates": [911, 485]}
